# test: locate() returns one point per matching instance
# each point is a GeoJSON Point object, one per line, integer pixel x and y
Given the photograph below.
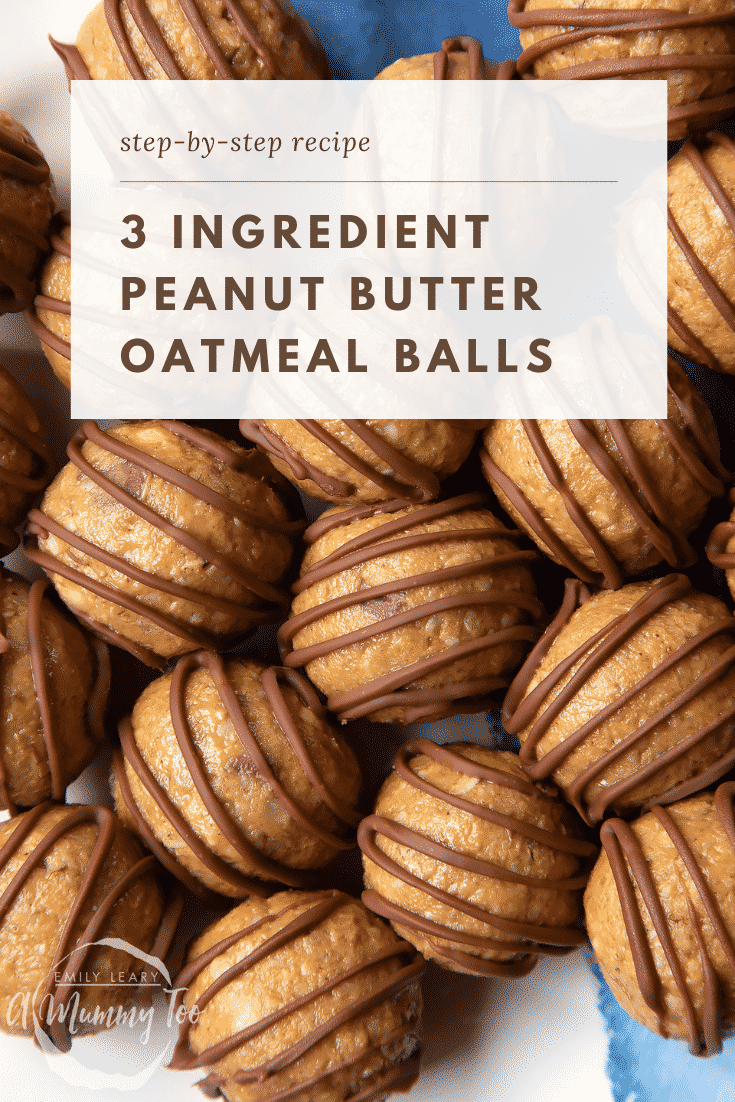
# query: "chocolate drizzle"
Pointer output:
{"type": "Point", "coordinates": [263, 867]}
{"type": "Point", "coordinates": [322, 906]}
{"type": "Point", "coordinates": [580, 24]}
{"type": "Point", "coordinates": [152, 33]}
{"type": "Point", "coordinates": [465, 45]}
{"type": "Point", "coordinates": [631, 869]}
{"type": "Point", "coordinates": [720, 537]}
{"type": "Point", "coordinates": [524, 939]}
{"type": "Point", "coordinates": [628, 480]}
{"type": "Point", "coordinates": [262, 592]}
{"type": "Point", "coordinates": [24, 162]}
{"type": "Point", "coordinates": [54, 995]}
{"type": "Point", "coordinates": [37, 653]}
{"type": "Point", "coordinates": [519, 709]}
{"type": "Point", "coordinates": [59, 306]}
{"type": "Point", "coordinates": [407, 479]}
{"type": "Point", "coordinates": [395, 537]}
{"type": "Point", "coordinates": [724, 307]}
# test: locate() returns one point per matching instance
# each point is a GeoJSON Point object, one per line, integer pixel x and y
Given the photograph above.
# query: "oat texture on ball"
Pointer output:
{"type": "Point", "coordinates": [411, 613]}
{"type": "Point", "coordinates": [701, 252]}
{"type": "Point", "coordinates": [302, 996]}
{"type": "Point", "coordinates": [26, 461]}
{"type": "Point", "coordinates": [660, 912]}
{"type": "Point", "coordinates": [26, 207]}
{"type": "Point", "coordinates": [50, 317]}
{"type": "Point", "coordinates": [164, 538]}
{"type": "Point", "coordinates": [473, 864]}
{"type": "Point", "coordinates": [69, 878]}
{"type": "Point", "coordinates": [365, 460]}
{"type": "Point", "coordinates": [690, 44]}
{"type": "Point", "coordinates": [54, 682]}
{"type": "Point", "coordinates": [231, 771]}
{"type": "Point", "coordinates": [194, 40]}
{"type": "Point", "coordinates": [608, 499]}
{"type": "Point", "coordinates": [460, 58]}
{"type": "Point", "coordinates": [629, 697]}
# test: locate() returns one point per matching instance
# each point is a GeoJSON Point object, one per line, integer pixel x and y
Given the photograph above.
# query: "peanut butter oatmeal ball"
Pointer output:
{"type": "Point", "coordinates": [473, 864]}
{"type": "Point", "coordinates": [164, 538]}
{"type": "Point", "coordinates": [365, 461]}
{"type": "Point", "coordinates": [302, 996]}
{"type": "Point", "coordinates": [50, 317]}
{"type": "Point", "coordinates": [233, 771]}
{"type": "Point", "coordinates": [26, 462]}
{"type": "Point", "coordinates": [53, 690]}
{"type": "Point", "coordinates": [459, 58]}
{"type": "Point", "coordinates": [411, 613]}
{"type": "Point", "coordinates": [71, 876]}
{"type": "Point", "coordinates": [688, 43]}
{"type": "Point", "coordinates": [26, 207]}
{"type": "Point", "coordinates": [701, 252]}
{"type": "Point", "coordinates": [629, 697]}
{"type": "Point", "coordinates": [194, 40]}
{"type": "Point", "coordinates": [608, 499]}
{"type": "Point", "coordinates": [660, 912]}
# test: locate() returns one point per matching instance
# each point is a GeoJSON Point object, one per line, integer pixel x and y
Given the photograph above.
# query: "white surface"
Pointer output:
{"type": "Point", "coordinates": [540, 1039]}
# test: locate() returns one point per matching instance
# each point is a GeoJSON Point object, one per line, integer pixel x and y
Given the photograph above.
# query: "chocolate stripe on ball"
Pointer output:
{"type": "Point", "coordinates": [717, 543]}
{"type": "Point", "coordinates": [37, 657]}
{"type": "Point", "coordinates": [393, 688]}
{"type": "Point", "coordinates": [631, 871]}
{"type": "Point", "coordinates": [580, 24]}
{"type": "Point", "coordinates": [465, 45]}
{"type": "Point", "coordinates": [628, 479]}
{"type": "Point", "coordinates": [324, 905]}
{"type": "Point", "coordinates": [41, 526]}
{"type": "Point", "coordinates": [24, 162]}
{"type": "Point", "coordinates": [271, 681]}
{"type": "Point", "coordinates": [152, 34]}
{"type": "Point", "coordinates": [408, 480]}
{"type": "Point", "coordinates": [519, 710]}
{"type": "Point", "coordinates": [520, 937]}
{"type": "Point", "coordinates": [56, 305]}
{"type": "Point", "coordinates": [57, 991]}
{"type": "Point", "coordinates": [726, 309]}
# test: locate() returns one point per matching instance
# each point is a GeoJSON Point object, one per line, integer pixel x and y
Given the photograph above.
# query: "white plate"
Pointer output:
{"type": "Point", "coordinates": [540, 1039]}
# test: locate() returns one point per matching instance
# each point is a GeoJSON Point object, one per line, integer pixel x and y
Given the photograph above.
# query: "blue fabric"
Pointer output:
{"type": "Point", "coordinates": [643, 1067]}
{"type": "Point", "coordinates": [361, 37]}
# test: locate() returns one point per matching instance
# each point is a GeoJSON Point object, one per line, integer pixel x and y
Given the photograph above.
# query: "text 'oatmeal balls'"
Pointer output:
{"type": "Point", "coordinates": [164, 538]}
{"type": "Point", "coordinates": [473, 864]}
{"type": "Point", "coordinates": [230, 772]}
{"type": "Point", "coordinates": [53, 690]}
{"type": "Point", "coordinates": [302, 996]}
{"type": "Point", "coordinates": [411, 613]}
{"type": "Point", "coordinates": [460, 58]}
{"type": "Point", "coordinates": [194, 40]}
{"type": "Point", "coordinates": [26, 207]}
{"type": "Point", "coordinates": [660, 912]}
{"type": "Point", "coordinates": [365, 461]}
{"type": "Point", "coordinates": [26, 462]}
{"type": "Point", "coordinates": [69, 877]}
{"type": "Point", "coordinates": [608, 499]}
{"type": "Point", "coordinates": [629, 697]}
{"type": "Point", "coordinates": [50, 317]}
{"type": "Point", "coordinates": [688, 43]}
{"type": "Point", "coordinates": [701, 252]}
